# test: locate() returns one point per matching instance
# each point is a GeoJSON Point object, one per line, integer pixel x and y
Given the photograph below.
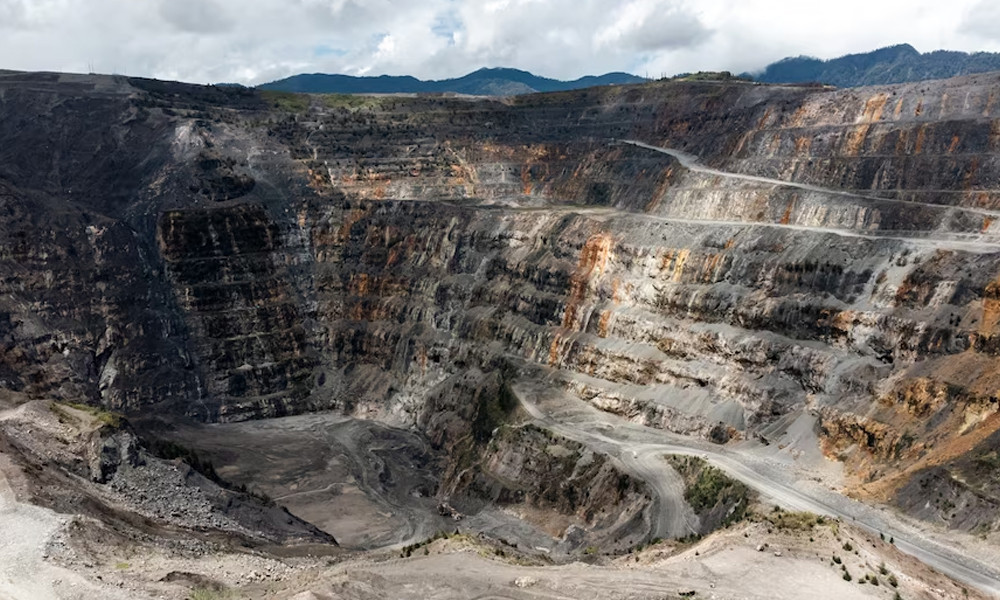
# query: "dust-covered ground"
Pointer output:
{"type": "Point", "coordinates": [366, 484]}
{"type": "Point", "coordinates": [779, 556]}
{"type": "Point", "coordinates": [71, 554]}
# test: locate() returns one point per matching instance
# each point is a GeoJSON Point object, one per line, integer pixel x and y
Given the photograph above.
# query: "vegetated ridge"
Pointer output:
{"type": "Point", "coordinates": [484, 82]}
{"type": "Point", "coordinates": [893, 64]}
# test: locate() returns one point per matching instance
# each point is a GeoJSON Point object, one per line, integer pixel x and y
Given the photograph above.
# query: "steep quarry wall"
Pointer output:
{"type": "Point", "coordinates": [233, 256]}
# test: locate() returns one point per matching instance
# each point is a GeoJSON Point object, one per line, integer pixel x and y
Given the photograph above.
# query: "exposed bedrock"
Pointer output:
{"type": "Point", "coordinates": [226, 259]}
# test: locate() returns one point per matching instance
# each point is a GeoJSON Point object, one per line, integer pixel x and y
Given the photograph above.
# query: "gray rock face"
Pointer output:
{"type": "Point", "coordinates": [110, 452]}
{"type": "Point", "coordinates": [176, 250]}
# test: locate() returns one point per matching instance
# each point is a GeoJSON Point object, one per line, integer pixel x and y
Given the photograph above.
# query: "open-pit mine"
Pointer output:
{"type": "Point", "coordinates": [679, 339]}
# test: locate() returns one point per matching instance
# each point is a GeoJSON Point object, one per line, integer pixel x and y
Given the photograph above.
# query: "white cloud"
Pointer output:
{"type": "Point", "coordinates": [197, 16]}
{"type": "Point", "coordinates": [258, 40]}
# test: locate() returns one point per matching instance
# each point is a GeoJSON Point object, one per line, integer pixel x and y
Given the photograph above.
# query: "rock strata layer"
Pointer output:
{"type": "Point", "coordinates": [224, 254]}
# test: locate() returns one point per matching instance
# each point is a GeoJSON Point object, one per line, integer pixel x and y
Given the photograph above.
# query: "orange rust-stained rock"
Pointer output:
{"type": "Point", "coordinates": [775, 145]}
{"type": "Point", "coordinates": [764, 119]}
{"type": "Point", "coordinates": [359, 284]}
{"type": "Point", "coordinates": [903, 143]}
{"type": "Point", "coordinates": [741, 144]}
{"type": "Point", "coordinates": [672, 263]}
{"type": "Point", "coordinates": [991, 308]}
{"type": "Point", "coordinates": [920, 396]}
{"type": "Point", "coordinates": [954, 144]}
{"type": "Point", "coordinates": [352, 217]}
{"type": "Point", "coordinates": [874, 107]}
{"type": "Point", "coordinates": [593, 257]}
{"type": "Point", "coordinates": [803, 144]}
{"type": "Point", "coordinates": [856, 139]}
{"type": "Point", "coordinates": [616, 286]}
{"type": "Point", "coordinates": [786, 218]}
{"type": "Point", "coordinates": [711, 265]}
{"type": "Point", "coordinates": [941, 453]}
{"type": "Point", "coordinates": [554, 351]}
{"type": "Point", "coordinates": [317, 180]}
{"type": "Point", "coordinates": [661, 190]}
{"type": "Point", "coordinates": [918, 147]}
{"type": "Point", "coordinates": [970, 173]}
{"type": "Point", "coordinates": [798, 117]}
{"type": "Point", "coordinates": [876, 439]}
{"type": "Point", "coordinates": [602, 324]}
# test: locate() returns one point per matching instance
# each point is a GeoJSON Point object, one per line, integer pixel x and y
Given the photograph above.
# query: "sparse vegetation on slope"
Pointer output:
{"type": "Point", "coordinates": [286, 101]}
{"type": "Point", "coordinates": [716, 498]}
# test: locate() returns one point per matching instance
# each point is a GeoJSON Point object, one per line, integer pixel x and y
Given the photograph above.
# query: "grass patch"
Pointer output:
{"type": "Point", "coordinates": [352, 101]}
{"type": "Point", "coordinates": [708, 488]}
{"type": "Point", "coordinates": [709, 76]}
{"type": "Point", "coordinates": [408, 551]}
{"type": "Point", "coordinates": [795, 521]}
{"type": "Point", "coordinates": [989, 460]}
{"type": "Point", "coordinates": [203, 593]}
{"type": "Point", "coordinates": [62, 414]}
{"type": "Point", "coordinates": [286, 101]}
{"type": "Point", "coordinates": [111, 419]}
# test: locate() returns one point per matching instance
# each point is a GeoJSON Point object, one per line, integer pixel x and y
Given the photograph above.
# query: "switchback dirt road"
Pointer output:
{"type": "Point", "coordinates": [640, 451]}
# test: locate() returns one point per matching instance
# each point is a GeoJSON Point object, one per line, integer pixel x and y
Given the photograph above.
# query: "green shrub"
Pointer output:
{"type": "Point", "coordinates": [286, 101]}
{"type": "Point", "coordinates": [110, 419]}
{"type": "Point", "coordinates": [707, 487]}
{"type": "Point", "coordinates": [492, 411]}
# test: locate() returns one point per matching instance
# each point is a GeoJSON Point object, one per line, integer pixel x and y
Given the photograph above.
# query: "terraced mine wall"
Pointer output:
{"type": "Point", "coordinates": [224, 255]}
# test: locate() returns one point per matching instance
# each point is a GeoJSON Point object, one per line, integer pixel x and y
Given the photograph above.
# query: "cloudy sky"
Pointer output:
{"type": "Point", "coordinates": [253, 41]}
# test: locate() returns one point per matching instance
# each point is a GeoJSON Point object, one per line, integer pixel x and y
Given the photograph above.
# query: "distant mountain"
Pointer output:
{"type": "Point", "coordinates": [484, 82]}
{"type": "Point", "coordinates": [894, 64]}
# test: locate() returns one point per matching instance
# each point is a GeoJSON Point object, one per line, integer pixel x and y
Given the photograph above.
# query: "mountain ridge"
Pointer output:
{"type": "Point", "coordinates": [900, 63]}
{"type": "Point", "coordinates": [483, 82]}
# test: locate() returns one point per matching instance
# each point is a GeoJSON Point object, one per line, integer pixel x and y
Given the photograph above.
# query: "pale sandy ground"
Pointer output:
{"type": "Point", "coordinates": [724, 566]}
{"type": "Point", "coordinates": [25, 533]}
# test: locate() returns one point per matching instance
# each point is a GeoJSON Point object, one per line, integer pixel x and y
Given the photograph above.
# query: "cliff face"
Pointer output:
{"type": "Point", "coordinates": [217, 254]}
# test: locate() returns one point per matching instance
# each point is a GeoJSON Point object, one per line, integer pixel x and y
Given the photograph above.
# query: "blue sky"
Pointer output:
{"type": "Point", "coordinates": [252, 41]}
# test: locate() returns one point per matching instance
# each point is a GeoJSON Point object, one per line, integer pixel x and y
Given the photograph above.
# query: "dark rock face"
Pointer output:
{"type": "Point", "coordinates": [240, 308]}
{"type": "Point", "coordinates": [177, 250]}
{"type": "Point", "coordinates": [110, 452]}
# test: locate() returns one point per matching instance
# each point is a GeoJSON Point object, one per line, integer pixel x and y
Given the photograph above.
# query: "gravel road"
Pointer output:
{"type": "Point", "coordinates": [641, 450]}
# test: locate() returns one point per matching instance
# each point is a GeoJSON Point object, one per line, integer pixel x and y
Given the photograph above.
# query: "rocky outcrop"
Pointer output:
{"type": "Point", "coordinates": [529, 468]}
{"type": "Point", "coordinates": [109, 452]}
{"type": "Point", "coordinates": [717, 499]}
{"type": "Point", "coordinates": [84, 461]}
